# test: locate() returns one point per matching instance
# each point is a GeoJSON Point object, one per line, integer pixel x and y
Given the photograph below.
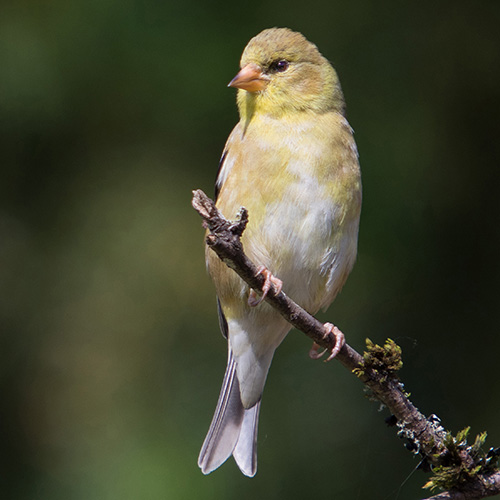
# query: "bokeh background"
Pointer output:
{"type": "Point", "coordinates": [111, 112]}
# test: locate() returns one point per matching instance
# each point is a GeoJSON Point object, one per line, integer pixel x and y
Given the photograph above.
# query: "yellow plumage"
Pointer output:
{"type": "Point", "coordinates": [292, 162]}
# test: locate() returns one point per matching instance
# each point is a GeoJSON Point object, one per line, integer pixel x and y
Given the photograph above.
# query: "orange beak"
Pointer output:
{"type": "Point", "coordinates": [250, 78]}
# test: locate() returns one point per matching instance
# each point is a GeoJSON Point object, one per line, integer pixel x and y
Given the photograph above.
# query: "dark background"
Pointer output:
{"type": "Point", "coordinates": [111, 112]}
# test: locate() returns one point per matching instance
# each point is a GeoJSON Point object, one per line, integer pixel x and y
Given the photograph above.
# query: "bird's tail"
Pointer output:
{"type": "Point", "coordinates": [233, 430]}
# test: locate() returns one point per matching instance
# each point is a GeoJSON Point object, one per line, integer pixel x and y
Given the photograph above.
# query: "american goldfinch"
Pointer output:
{"type": "Point", "coordinates": [293, 163]}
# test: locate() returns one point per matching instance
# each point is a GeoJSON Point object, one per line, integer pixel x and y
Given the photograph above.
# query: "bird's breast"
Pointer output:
{"type": "Point", "coordinates": [301, 187]}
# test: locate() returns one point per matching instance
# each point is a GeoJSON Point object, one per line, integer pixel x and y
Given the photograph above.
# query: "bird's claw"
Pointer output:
{"type": "Point", "coordinates": [253, 299]}
{"type": "Point", "coordinates": [339, 343]}
{"type": "Point", "coordinates": [314, 353]}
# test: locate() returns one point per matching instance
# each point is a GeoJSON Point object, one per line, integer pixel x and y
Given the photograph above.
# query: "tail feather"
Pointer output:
{"type": "Point", "coordinates": [233, 429]}
{"type": "Point", "coordinates": [245, 452]}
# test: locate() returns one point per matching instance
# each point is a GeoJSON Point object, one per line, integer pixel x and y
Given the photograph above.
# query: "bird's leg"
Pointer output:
{"type": "Point", "coordinates": [253, 299]}
{"type": "Point", "coordinates": [339, 339]}
{"type": "Point", "coordinates": [339, 342]}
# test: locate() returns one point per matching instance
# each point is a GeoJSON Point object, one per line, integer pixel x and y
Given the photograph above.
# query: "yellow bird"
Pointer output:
{"type": "Point", "coordinates": [293, 163]}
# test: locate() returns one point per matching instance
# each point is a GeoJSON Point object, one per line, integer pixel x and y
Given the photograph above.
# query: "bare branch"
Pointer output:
{"type": "Point", "coordinates": [374, 368]}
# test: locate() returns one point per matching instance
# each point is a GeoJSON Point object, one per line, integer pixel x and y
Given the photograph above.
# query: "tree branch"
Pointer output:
{"type": "Point", "coordinates": [484, 486]}
{"type": "Point", "coordinates": [377, 369]}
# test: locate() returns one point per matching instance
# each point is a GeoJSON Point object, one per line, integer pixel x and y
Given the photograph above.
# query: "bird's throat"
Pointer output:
{"type": "Point", "coordinates": [247, 104]}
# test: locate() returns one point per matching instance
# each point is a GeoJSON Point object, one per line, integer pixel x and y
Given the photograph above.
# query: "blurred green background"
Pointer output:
{"type": "Point", "coordinates": [111, 112]}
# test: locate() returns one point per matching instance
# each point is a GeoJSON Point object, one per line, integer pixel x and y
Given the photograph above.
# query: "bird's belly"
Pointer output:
{"type": "Point", "coordinates": [301, 240]}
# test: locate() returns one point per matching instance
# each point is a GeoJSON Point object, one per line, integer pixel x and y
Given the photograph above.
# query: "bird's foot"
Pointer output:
{"type": "Point", "coordinates": [253, 299]}
{"type": "Point", "coordinates": [339, 343]}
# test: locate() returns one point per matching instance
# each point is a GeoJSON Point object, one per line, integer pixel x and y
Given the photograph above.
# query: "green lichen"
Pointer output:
{"type": "Point", "coordinates": [384, 360]}
{"type": "Point", "coordinates": [461, 462]}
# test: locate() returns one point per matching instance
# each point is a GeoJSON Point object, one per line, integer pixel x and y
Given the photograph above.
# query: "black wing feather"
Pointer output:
{"type": "Point", "coordinates": [217, 185]}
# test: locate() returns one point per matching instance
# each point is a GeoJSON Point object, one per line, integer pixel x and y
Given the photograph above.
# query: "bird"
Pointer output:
{"type": "Point", "coordinates": [292, 162]}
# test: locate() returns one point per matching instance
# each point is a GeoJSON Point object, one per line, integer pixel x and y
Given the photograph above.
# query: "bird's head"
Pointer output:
{"type": "Point", "coordinates": [282, 73]}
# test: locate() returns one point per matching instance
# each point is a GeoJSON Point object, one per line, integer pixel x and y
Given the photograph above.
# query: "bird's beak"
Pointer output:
{"type": "Point", "coordinates": [250, 78]}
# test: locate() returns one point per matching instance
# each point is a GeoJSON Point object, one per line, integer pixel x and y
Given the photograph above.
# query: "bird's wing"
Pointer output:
{"type": "Point", "coordinates": [217, 179]}
{"type": "Point", "coordinates": [222, 320]}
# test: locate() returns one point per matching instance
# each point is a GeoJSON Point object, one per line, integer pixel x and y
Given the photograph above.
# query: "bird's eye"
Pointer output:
{"type": "Point", "coordinates": [280, 66]}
